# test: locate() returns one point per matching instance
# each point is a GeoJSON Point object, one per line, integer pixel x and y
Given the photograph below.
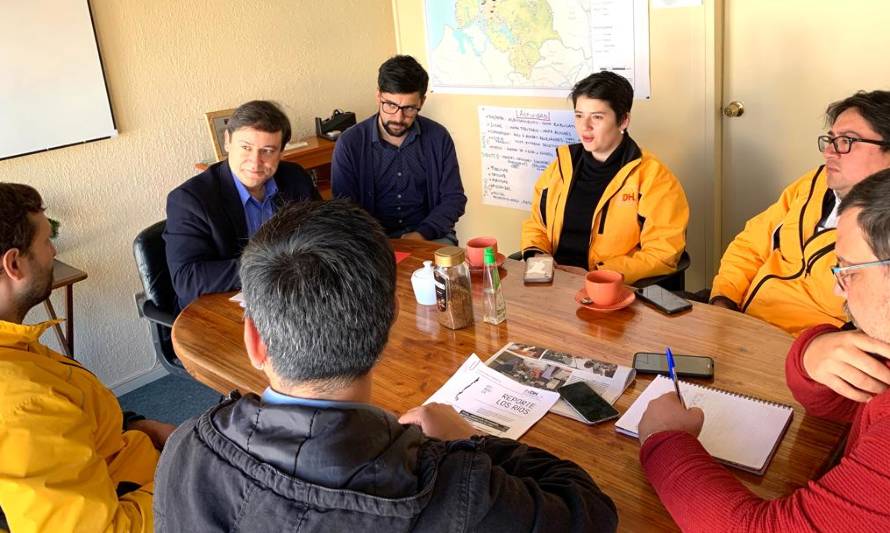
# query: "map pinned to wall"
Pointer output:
{"type": "Point", "coordinates": [535, 47]}
{"type": "Point", "coordinates": [517, 145]}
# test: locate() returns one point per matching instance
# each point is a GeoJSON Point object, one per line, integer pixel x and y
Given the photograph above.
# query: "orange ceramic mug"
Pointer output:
{"type": "Point", "coordinates": [604, 286]}
{"type": "Point", "coordinates": [476, 250]}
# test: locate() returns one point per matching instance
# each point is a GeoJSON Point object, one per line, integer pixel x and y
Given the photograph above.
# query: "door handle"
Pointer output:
{"type": "Point", "coordinates": [734, 109]}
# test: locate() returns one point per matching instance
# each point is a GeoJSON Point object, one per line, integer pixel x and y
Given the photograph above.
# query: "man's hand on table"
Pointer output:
{"type": "Point", "coordinates": [850, 363]}
{"type": "Point", "coordinates": [439, 421]}
{"type": "Point", "coordinates": [157, 431]}
{"type": "Point", "coordinates": [666, 413]}
{"type": "Point", "coordinates": [413, 236]}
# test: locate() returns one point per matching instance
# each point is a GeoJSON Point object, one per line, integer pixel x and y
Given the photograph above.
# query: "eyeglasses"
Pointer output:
{"type": "Point", "coordinates": [842, 144]}
{"type": "Point", "coordinates": [842, 274]}
{"type": "Point", "coordinates": [391, 108]}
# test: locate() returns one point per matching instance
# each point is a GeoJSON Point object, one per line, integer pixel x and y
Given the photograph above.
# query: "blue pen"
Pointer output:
{"type": "Point", "coordinates": [673, 374]}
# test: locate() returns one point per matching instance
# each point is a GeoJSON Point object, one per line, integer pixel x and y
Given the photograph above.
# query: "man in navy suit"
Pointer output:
{"type": "Point", "coordinates": [211, 216]}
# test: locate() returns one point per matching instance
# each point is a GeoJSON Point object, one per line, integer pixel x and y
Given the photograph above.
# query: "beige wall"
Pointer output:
{"type": "Point", "coordinates": [167, 62]}
{"type": "Point", "coordinates": [678, 124]}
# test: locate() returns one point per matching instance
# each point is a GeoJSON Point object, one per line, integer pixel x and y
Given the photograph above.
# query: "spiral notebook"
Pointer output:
{"type": "Point", "coordinates": [739, 431]}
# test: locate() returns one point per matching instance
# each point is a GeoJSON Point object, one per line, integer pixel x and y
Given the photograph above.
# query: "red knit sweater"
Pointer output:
{"type": "Point", "coordinates": [702, 495]}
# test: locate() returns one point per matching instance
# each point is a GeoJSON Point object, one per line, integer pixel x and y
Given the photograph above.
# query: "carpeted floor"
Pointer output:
{"type": "Point", "coordinates": [171, 399]}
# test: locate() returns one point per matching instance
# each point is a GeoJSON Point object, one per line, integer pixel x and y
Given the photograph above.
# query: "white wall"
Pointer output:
{"type": "Point", "coordinates": [168, 62]}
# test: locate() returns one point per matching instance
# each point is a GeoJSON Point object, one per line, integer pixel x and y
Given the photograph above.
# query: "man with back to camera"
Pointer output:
{"type": "Point", "coordinates": [399, 166]}
{"type": "Point", "coordinates": [842, 375]}
{"type": "Point", "coordinates": [211, 216]}
{"type": "Point", "coordinates": [69, 459]}
{"type": "Point", "coordinates": [311, 453]}
{"type": "Point", "coordinates": [777, 268]}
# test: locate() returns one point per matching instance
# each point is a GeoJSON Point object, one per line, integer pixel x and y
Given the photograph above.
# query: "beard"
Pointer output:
{"type": "Point", "coordinates": [37, 292]}
{"type": "Point", "coordinates": [390, 123]}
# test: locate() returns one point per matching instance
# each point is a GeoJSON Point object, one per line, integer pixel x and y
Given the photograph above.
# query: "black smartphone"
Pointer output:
{"type": "Point", "coordinates": [587, 403]}
{"type": "Point", "coordinates": [663, 299]}
{"type": "Point", "coordinates": [694, 366]}
{"type": "Point", "coordinates": [539, 269]}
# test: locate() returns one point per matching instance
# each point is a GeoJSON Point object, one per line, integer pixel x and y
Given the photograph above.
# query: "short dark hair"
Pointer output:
{"type": "Point", "coordinates": [402, 75]}
{"type": "Point", "coordinates": [260, 115]}
{"type": "Point", "coordinates": [872, 195]}
{"type": "Point", "coordinates": [16, 230]}
{"type": "Point", "coordinates": [319, 282]}
{"type": "Point", "coordinates": [874, 107]}
{"type": "Point", "coordinates": [608, 86]}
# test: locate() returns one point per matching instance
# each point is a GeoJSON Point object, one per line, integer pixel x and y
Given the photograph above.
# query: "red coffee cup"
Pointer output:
{"type": "Point", "coordinates": [604, 286]}
{"type": "Point", "coordinates": [476, 249]}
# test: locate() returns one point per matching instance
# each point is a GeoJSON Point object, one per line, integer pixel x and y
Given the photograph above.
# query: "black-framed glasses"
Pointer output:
{"type": "Point", "coordinates": [842, 273]}
{"type": "Point", "coordinates": [391, 108]}
{"type": "Point", "coordinates": [842, 144]}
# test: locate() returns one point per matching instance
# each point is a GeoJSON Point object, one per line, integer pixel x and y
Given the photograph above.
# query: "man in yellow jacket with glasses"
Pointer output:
{"type": "Point", "coordinates": [68, 459]}
{"type": "Point", "coordinates": [779, 267]}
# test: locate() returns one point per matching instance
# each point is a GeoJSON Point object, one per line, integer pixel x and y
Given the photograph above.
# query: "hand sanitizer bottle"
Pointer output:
{"type": "Point", "coordinates": [495, 306]}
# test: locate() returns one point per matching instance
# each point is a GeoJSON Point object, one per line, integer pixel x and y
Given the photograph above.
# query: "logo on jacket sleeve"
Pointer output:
{"type": "Point", "coordinates": [629, 197]}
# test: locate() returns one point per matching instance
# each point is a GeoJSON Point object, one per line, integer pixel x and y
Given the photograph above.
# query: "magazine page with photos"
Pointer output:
{"type": "Point", "coordinates": [547, 369]}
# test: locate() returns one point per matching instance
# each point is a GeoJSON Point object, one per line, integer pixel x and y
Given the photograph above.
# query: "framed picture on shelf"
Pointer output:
{"type": "Point", "coordinates": [216, 122]}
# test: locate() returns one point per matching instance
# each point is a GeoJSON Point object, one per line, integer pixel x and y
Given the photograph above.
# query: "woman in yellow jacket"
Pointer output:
{"type": "Point", "coordinates": [604, 203]}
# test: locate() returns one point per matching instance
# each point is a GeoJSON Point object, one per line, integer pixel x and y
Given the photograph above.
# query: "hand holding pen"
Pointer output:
{"type": "Point", "coordinates": [672, 372]}
{"type": "Point", "coordinates": [666, 413]}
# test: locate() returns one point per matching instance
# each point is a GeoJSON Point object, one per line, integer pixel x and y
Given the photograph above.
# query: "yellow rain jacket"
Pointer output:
{"type": "Point", "coordinates": [63, 454]}
{"type": "Point", "coordinates": [779, 268]}
{"type": "Point", "coordinates": [639, 224]}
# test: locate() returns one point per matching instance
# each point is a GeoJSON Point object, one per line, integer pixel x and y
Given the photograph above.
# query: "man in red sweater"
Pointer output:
{"type": "Point", "coordinates": [841, 375]}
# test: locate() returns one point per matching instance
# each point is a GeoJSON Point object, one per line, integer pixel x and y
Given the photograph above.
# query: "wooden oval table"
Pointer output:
{"type": "Point", "coordinates": [421, 355]}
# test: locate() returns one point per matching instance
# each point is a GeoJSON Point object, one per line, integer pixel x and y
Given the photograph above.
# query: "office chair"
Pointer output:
{"type": "Point", "coordinates": [675, 281]}
{"type": "Point", "coordinates": [157, 302]}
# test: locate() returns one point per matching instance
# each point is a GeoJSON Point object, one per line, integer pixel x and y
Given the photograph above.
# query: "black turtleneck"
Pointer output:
{"type": "Point", "coordinates": [591, 177]}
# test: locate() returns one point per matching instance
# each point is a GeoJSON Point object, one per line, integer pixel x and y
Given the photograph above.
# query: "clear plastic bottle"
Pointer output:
{"type": "Point", "coordinates": [493, 298]}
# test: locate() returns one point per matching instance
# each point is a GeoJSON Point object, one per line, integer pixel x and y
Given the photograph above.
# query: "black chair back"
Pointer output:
{"type": "Point", "coordinates": [157, 304]}
{"type": "Point", "coordinates": [151, 260]}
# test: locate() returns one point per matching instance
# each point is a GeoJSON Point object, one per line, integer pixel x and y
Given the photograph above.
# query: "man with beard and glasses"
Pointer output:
{"type": "Point", "coordinates": [69, 459]}
{"type": "Point", "coordinates": [841, 375]}
{"type": "Point", "coordinates": [401, 167]}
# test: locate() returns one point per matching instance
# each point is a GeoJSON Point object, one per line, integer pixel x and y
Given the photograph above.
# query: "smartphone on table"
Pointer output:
{"type": "Point", "coordinates": [693, 366]}
{"type": "Point", "coordinates": [539, 269]}
{"type": "Point", "coordinates": [587, 403]}
{"type": "Point", "coordinates": [663, 299]}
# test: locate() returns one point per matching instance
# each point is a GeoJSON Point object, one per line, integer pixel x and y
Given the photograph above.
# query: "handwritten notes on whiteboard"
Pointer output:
{"type": "Point", "coordinates": [517, 145]}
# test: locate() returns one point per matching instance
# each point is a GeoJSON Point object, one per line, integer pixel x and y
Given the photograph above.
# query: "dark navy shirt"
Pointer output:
{"type": "Point", "coordinates": [415, 187]}
{"type": "Point", "coordinates": [400, 181]}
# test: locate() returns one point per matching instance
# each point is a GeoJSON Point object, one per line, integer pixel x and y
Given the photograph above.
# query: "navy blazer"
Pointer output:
{"type": "Point", "coordinates": [207, 230]}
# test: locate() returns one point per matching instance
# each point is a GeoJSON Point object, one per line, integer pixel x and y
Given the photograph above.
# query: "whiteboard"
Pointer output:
{"type": "Point", "coordinates": [517, 145]}
{"type": "Point", "coordinates": [52, 88]}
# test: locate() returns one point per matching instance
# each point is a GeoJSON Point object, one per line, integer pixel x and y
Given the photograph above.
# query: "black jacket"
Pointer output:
{"type": "Point", "coordinates": [247, 466]}
{"type": "Point", "coordinates": [206, 228]}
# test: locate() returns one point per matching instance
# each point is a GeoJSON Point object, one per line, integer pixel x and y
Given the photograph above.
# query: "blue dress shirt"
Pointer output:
{"type": "Point", "coordinates": [255, 213]}
{"type": "Point", "coordinates": [273, 397]}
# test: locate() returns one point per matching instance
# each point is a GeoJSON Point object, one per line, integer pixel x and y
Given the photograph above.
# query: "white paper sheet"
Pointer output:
{"type": "Point", "coordinates": [492, 402]}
